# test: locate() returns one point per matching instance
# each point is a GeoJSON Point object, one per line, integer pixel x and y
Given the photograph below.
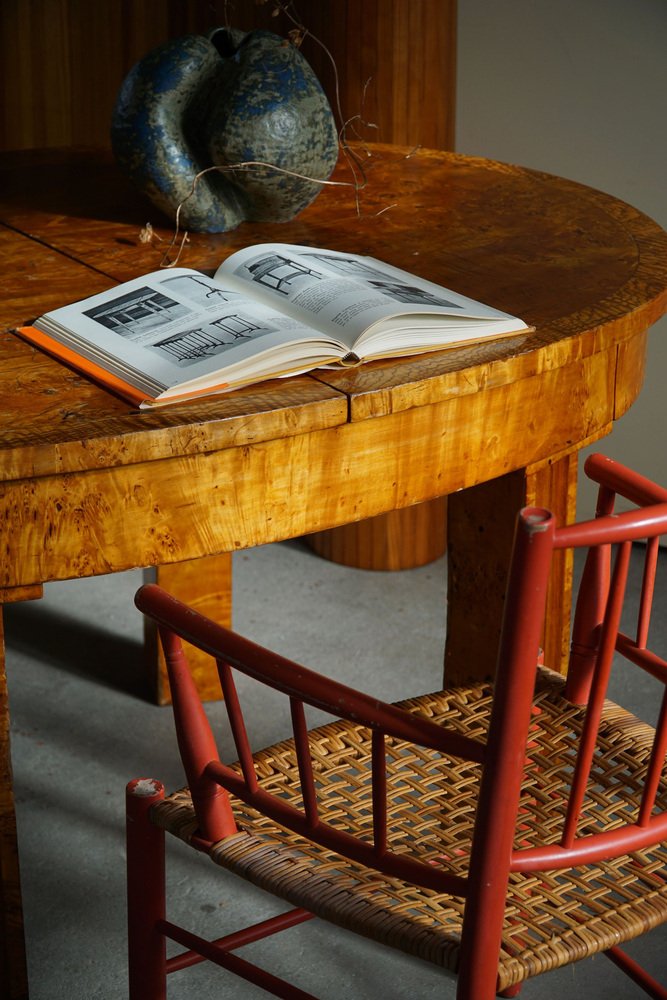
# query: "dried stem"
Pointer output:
{"type": "Point", "coordinates": [167, 262]}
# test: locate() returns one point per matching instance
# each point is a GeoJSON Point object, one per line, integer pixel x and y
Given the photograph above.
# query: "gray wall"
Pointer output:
{"type": "Point", "coordinates": [578, 88]}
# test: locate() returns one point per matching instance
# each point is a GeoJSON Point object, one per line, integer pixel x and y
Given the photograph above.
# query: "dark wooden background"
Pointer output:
{"type": "Point", "coordinates": [62, 61]}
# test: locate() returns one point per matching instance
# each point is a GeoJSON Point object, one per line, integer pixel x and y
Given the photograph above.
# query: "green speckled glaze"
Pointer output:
{"type": "Point", "coordinates": [198, 102]}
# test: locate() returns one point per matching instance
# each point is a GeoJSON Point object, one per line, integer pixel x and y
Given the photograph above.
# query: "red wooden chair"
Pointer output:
{"type": "Point", "coordinates": [498, 831]}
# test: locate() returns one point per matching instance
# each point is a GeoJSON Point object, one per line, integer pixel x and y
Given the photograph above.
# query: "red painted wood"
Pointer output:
{"type": "Point", "coordinates": [196, 744]}
{"type": "Point", "coordinates": [238, 939]}
{"type": "Point", "coordinates": [145, 892]}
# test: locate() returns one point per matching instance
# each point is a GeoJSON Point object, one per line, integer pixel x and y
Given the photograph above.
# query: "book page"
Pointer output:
{"type": "Point", "coordinates": [171, 327]}
{"type": "Point", "coordinates": [345, 293]}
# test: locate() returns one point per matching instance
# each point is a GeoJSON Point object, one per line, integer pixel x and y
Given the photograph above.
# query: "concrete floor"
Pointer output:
{"type": "Point", "coordinates": [82, 726]}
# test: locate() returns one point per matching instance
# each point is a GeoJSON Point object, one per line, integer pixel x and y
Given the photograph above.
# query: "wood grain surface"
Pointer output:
{"type": "Point", "coordinates": [509, 236]}
{"type": "Point", "coordinates": [63, 61]}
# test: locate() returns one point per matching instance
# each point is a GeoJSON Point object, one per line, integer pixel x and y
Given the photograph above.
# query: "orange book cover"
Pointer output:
{"type": "Point", "coordinates": [83, 365]}
{"type": "Point", "coordinates": [99, 374]}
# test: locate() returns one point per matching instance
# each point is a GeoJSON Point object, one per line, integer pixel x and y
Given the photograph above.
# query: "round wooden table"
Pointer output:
{"type": "Point", "coordinates": [90, 486]}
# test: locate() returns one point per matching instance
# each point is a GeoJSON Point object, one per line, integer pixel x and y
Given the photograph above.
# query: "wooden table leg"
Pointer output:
{"type": "Point", "coordinates": [13, 974]}
{"type": "Point", "coordinates": [479, 540]}
{"type": "Point", "coordinates": [205, 584]}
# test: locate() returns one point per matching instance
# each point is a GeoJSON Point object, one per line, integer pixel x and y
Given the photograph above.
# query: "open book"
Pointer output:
{"type": "Point", "coordinates": [270, 310]}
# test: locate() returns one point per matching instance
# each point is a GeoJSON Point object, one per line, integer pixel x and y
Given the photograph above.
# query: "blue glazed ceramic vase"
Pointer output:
{"type": "Point", "coordinates": [226, 98]}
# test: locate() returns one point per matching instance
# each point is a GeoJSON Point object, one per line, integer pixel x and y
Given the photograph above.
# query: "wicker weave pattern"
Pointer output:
{"type": "Point", "coordinates": [431, 805]}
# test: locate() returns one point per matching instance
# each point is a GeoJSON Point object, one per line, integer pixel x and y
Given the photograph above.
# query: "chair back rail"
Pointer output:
{"type": "Point", "coordinates": [598, 638]}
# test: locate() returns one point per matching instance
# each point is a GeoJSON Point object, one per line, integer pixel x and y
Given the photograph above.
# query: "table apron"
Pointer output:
{"type": "Point", "coordinates": [169, 510]}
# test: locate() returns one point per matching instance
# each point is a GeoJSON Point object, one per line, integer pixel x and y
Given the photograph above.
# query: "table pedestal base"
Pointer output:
{"type": "Point", "coordinates": [400, 539]}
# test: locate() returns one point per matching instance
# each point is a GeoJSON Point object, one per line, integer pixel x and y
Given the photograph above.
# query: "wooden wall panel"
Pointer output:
{"type": "Point", "coordinates": [62, 61]}
{"type": "Point", "coordinates": [397, 66]}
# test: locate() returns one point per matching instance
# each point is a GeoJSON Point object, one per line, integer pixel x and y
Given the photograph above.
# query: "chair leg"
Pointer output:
{"type": "Point", "coordinates": [512, 991]}
{"type": "Point", "coordinates": [145, 892]}
{"type": "Point", "coordinates": [637, 974]}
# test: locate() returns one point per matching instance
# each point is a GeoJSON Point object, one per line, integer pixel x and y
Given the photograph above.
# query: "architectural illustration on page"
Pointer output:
{"type": "Point", "coordinates": [280, 273]}
{"type": "Point", "coordinates": [190, 346]}
{"type": "Point", "coordinates": [384, 282]}
{"type": "Point", "coordinates": [138, 313]}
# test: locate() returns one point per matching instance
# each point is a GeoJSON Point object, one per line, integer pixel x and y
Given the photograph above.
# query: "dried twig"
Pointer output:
{"type": "Point", "coordinates": [166, 260]}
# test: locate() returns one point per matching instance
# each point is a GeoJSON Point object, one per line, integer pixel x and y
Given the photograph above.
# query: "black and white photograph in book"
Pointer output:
{"type": "Point", "coordinates": [189, 346]}
{"type": "Point", "coordinates": [283, 274]}
{"type": "Point", "coordinates": [138, 313]}
{"type": "Point", "coordinates": [385, 283]}
{"type": "Point", "coordinates": [280, 273]}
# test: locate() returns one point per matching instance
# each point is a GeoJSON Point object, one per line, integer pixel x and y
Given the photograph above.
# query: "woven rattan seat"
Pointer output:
{"type": "Point", "coordinates": [551, 920]}
{"type": "Point", "coordinates": [496, 829]}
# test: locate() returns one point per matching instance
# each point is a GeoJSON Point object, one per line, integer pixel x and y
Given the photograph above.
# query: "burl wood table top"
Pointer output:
{"type": "Point", "coordinates": [586, 270]}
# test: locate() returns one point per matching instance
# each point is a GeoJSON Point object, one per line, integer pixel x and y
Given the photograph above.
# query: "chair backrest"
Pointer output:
{"type": "Point", "coordinates": [494, 854]}
{"type": "Point", "coordinates": [596, 638]}
{"type": "Point", "coordinates": [599, 635]}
